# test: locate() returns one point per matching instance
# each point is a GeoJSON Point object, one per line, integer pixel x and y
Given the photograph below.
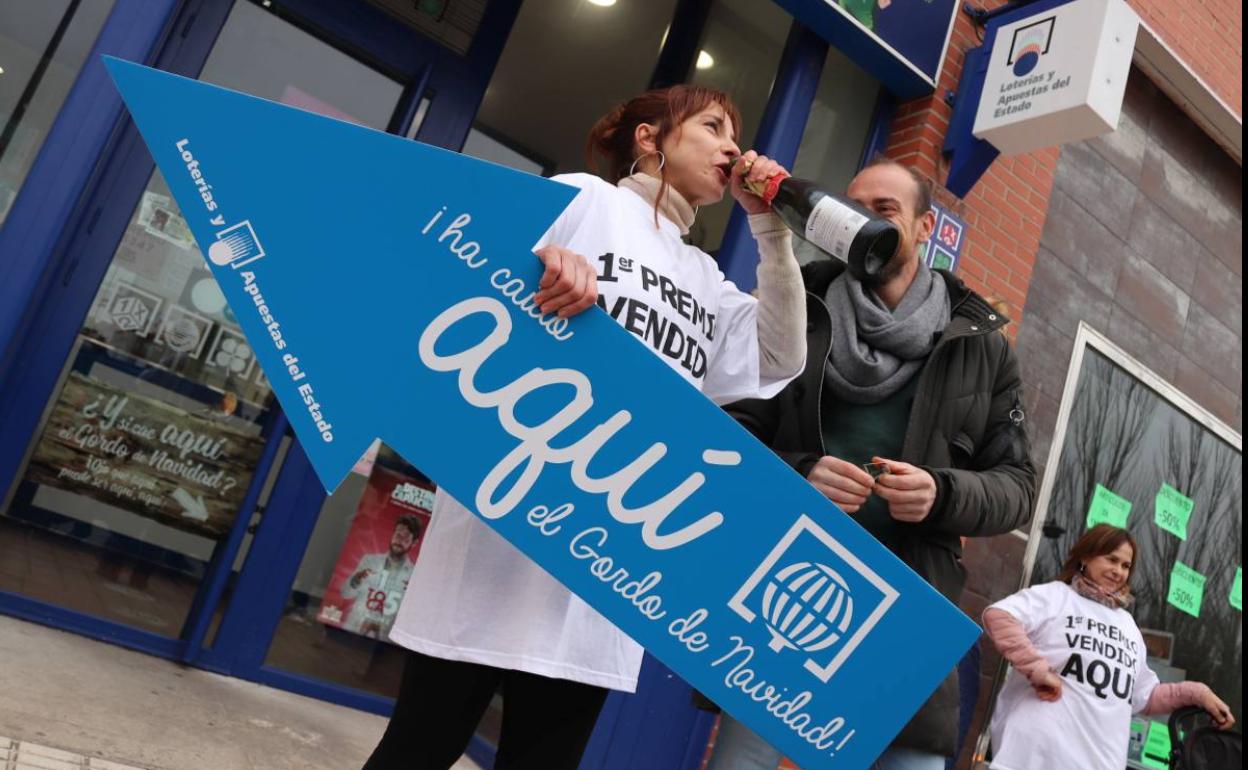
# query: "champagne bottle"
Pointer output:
{"type": "Point", "coordinates": [834, 224]}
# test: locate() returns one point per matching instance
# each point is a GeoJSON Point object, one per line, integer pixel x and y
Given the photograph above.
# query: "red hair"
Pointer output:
{"type": "Point", "coordinates": [611, 138]}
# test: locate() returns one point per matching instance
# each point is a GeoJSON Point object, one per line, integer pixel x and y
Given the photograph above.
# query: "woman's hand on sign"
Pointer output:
{"type": "Point", "coordinates": [569, 285]}
{"type": "Point", "coordinates": [842, 482]}
{"type": "Point", "coordinates": [909, 490]}
{"type": "Point", "coordinates": [757, 169]}
{"type": "Point", "coordinates": [1048, 686]}
{"type": "Point", "coordinates": [1221, 714]}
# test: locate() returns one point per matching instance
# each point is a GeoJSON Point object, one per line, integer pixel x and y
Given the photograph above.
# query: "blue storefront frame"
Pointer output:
{"type": "Point", "coordinates": [69, 215]}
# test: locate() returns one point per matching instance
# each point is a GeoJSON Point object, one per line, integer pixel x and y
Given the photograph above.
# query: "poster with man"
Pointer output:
{"type": "Point", "coordinates": [380, 550]}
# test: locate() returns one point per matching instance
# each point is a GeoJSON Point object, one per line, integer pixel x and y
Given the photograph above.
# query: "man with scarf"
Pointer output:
{"type": "Point", "coordinates": [909, 417]}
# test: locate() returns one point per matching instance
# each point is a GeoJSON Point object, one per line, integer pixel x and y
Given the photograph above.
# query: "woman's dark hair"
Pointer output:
{"type": "Point", "coordinates": [1098, 541]}
{"type": "Point", "coordinates": [611, 138]}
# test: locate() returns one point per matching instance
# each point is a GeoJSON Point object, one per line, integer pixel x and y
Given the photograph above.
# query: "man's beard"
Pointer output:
{"type": "Point", "coordinates": [891, 269]}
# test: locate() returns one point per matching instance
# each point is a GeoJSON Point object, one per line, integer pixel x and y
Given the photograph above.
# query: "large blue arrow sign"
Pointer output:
{"type": "Point", "coordinates": [379, 281]}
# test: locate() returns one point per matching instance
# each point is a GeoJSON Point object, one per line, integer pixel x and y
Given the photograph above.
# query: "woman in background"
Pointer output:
{"type": "Point", "coordinates": [1078, 665]}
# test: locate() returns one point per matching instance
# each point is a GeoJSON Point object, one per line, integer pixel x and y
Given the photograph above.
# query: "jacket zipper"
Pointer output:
{"type": "Point", "coordinates": [925, 384]}
{"type": "Point", "coordinates": [823, 450]}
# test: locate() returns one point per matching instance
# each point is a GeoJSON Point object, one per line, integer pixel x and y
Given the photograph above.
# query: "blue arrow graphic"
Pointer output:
{"type": "Point", "coordinates": [383, 286]}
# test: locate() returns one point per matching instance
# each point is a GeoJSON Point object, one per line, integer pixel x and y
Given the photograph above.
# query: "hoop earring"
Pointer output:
{"type": "Point", "coordinates": [1082, 568]}
{"type": "Point", "coordinates": [662, 161]}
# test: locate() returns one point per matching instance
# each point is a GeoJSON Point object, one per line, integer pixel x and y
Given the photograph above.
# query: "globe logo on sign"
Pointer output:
{"type": "Point", "coordinates": [236, 246]}
{"type": "Point", "coordinates": [1029, 44]}
{"type": "Point", "coordinates": [807, 606]}
{"type": "Point", "coordinates": [1027, 60]}
{"type": "Point", "coordinates": [182, 335]}
{"type": "Point", "coordinates": [812, 596]}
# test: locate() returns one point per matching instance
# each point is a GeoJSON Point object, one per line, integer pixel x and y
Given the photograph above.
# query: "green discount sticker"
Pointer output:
{"type": "Point", "coordinates": [1108, 508]}
{"type": "Point", "coordinates": [1237, 590]}
{"type": "Point", "coordinates": [1172, 510]}
{"type": "Point", "coordinates": [1156, 751]}
{"type": "Point", "coordinates": [1187, 589]}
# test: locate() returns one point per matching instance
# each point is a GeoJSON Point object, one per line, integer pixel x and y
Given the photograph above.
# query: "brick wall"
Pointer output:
{"type": "Point", "coordinates": [1006, 211]}
{"type": "Point", "coordinates": [1207, 35]}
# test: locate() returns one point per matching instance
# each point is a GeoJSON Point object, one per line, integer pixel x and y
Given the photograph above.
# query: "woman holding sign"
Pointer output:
{"type": "Point", "coordinates": [480, 616]}
{"type": "Point", "coordinates": [1078, 665]}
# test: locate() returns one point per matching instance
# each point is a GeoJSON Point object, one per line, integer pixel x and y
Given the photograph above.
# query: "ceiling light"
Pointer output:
{"type": "Point", "coordinates": [602, 3]}
{"type": "Point", "coordinates": [705, 61]}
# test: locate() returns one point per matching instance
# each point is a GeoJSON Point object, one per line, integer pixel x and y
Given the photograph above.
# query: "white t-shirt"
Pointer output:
{"type": "Point", "coordinates": [376, 598]}
{"type": "Point", "coordinates": [1100, 655]}
{"type": "Point", "coordinates": [473, 596]}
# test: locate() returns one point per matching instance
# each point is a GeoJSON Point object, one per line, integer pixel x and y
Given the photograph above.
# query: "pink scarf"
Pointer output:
{"type": "Point", "coordinates": [1091, 591]}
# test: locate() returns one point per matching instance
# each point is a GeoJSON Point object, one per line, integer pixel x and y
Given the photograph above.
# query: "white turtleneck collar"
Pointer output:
{"type": "Point", "coordinates": [674, 206]}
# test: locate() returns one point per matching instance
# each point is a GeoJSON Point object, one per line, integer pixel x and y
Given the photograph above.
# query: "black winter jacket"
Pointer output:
{"type": "Point", "coordinates": [966, 427]}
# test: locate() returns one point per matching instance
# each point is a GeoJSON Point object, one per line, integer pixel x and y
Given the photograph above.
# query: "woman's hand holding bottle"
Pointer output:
{"type": "Point", "coordinates": [839, 226]}
{"type": "Point", "coordinates": [751, 174]}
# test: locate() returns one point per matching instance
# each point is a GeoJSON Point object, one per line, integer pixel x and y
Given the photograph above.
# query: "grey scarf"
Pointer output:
{"type": "Point", "coordinates": [875, 351]}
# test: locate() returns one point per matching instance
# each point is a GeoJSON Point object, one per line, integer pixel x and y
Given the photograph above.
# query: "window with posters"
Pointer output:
{"type": "Point", "coordinates": [152, 437]}
{"type": "Point", "coordinates": [150, 444]}
{"type": "Point", "coordinates": [185, 469]}
{"type": "Point", "coordinates": [350, 583]}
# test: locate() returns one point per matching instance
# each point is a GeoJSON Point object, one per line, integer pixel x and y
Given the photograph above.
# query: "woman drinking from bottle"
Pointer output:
{"type": "Point", "coordinates": [478, 614]}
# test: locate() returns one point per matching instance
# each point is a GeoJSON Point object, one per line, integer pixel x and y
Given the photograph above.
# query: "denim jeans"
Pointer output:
{"type": "Point", "coordinates": [737, 747]}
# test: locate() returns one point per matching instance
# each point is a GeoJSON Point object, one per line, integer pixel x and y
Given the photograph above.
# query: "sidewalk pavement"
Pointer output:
{"type": "Point", "coordinates": [72, 703]}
